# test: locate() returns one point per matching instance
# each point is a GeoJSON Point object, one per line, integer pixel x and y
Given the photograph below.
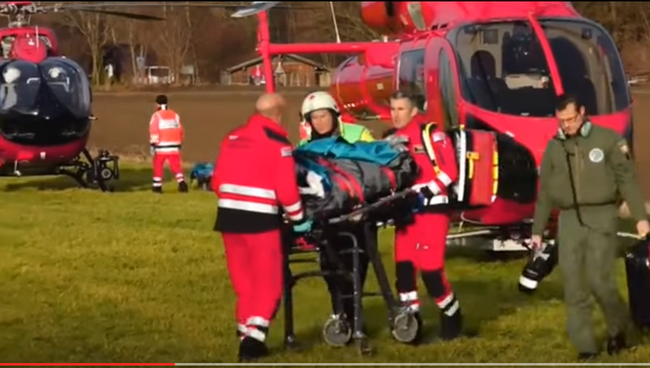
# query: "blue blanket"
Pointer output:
{"type": "Point", "coordinates": [378, 152]}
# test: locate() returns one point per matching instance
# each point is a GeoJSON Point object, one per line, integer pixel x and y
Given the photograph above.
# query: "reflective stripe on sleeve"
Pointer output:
{"type": "Point", "coordinates": [444, 179]}
{"type": "Point", "coordinates": [294, 207]}
{"type": "Point", "coordinates": [294, 211]}
{"type": "Point", "coordinates": [296, 217]}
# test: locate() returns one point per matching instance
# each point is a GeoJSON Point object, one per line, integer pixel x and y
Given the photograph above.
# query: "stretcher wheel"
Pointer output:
{"type": "Point", "coordinates": [337, 332]}
{"type": "Point", "coordinates": [406, 328]}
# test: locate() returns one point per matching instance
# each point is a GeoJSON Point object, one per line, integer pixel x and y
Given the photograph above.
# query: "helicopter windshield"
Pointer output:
{"type": "Point", "coordinates": [503, 67]}
{"type": "Point", "coordinates": [24, 85]}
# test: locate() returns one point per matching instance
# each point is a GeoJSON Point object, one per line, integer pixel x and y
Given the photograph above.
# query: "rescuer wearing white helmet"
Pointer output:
{"type": "Point", "coordinates": [322, 116]}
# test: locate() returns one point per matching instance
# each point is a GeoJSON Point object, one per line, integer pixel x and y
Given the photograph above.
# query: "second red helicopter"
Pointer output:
{"type": "Point", "coordinates": [45, 101]}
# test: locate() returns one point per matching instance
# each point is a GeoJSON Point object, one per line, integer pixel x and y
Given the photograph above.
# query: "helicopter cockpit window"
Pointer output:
{"type": "Point", "coordinates": [20, 85]}
{"type": "Point", "coordinates": [589, 65]}
{"type": "Point", "coordinates": [411, 76]}
{"type": "Point", "coordinates": [67, 84]}
{"type": "Point", "coordinates": [504, 69]}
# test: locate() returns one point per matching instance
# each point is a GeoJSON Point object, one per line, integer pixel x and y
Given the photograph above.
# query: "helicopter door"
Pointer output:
{"type": "Point", "coordinates": [442, 84]}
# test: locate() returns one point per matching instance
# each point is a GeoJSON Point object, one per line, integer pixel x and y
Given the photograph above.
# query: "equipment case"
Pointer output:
{"type": "Point", "coordinates": [637, 268]}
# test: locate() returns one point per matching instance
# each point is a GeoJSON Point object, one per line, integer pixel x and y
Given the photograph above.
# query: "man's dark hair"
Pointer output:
{"type": "Point", "coordinates": [565, 100]}
{"type": "Point", "coordinates": [161, 100]}
{"type": "Point", "coordinates": [398, 95]}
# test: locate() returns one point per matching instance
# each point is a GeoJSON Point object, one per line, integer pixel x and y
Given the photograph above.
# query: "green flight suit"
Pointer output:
{"type": "Point", "coordinates": [602, 173]}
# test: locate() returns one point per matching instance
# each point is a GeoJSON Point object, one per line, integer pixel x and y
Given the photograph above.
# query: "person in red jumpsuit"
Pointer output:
{"type": "Point", "coordinates": [165, 137]}
{"type": "Point", "coordinates": [255, 181]}
{"type": "Point", "coordinates": [420, 245]}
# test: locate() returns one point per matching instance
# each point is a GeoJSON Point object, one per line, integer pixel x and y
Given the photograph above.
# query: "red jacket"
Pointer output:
{"type": "Point", "coordinates": [255, 178]}
{"type": "Point", "coordinates": [438, 169]}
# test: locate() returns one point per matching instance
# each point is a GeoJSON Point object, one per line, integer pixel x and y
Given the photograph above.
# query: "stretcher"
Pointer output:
{"type": "Point", "coordinates": [336, 332]}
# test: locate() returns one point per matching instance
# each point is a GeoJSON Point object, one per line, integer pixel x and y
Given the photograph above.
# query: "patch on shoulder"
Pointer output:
{"type": "Point", "coordinates": [438, 137]}
{"type": "Point", "coordinates": [625, 149]}
{"type": "Point", "coordinates": [286, 151]}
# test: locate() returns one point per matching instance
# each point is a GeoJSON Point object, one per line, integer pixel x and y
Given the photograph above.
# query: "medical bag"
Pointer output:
{"type": "Point", "coordinates": [478, 167]}
{"type": "Point", "coordinates": [637, 268]}
{"type": "Point", "coordinates": [539, 266]}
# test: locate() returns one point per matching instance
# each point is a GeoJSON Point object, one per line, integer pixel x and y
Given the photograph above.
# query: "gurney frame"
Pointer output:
{"type": "Point", "coordinates": [336, 331]}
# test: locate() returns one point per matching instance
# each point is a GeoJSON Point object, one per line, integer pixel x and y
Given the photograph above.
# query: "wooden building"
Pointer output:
{"type": "Point", "coordinates": [290, 70]}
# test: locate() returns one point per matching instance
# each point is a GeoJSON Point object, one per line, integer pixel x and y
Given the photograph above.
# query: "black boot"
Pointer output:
{"type": "Point", "coordinates": [182, 187]}
{"type": "Point", "coordinates": [157, 190]}
{"type": "Point", "coordinates": [252, 349]}
{"type": "Point", "coordinates": [616, 344]}
{"type": "Point", "coordinates": [451, 326]}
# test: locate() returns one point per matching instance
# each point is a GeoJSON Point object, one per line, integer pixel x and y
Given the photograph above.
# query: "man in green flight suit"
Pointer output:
{"type": "Point", "coordinates": [585, 170]}
{"type": "Point", "coordinates": [321, 113]}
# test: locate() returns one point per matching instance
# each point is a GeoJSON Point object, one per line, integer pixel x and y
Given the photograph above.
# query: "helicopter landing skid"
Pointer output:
{"type": "Point", "coordinates": [92, 172]}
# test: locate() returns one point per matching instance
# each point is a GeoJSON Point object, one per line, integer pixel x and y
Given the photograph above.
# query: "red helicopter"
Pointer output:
{"type": "Point", "coordinates": [45, 102]}
{"type": "Point", "coordinates": [482, 67]}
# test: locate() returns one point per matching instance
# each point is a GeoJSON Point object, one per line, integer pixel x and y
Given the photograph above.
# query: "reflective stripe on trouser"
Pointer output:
{"type": "Point", "coordinates": [255, 268]}
{"type": "Point", "coordinates": [159, 160]}
{"type": "Point", "coordinates": [157, 182]}
{"type": "Point", "coordinates": [411, 300]}
{"type": "Point", "coordinates": [257, 327]}
{"type": "Point", "coordinates": [449, 305]}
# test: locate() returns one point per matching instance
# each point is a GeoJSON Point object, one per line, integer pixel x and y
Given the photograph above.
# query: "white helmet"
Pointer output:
{"type": "Point", "coordinates": [318, 101]}
{"type": "Point", "coordinates": [11, 74]}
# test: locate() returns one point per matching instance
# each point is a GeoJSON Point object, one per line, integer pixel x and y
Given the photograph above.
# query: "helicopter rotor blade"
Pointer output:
{"type": "Point", "coordinates": [244, 9]}
{"type": "Point", "coordinates": [193, 4]}
{"type": "Point", "coordinates": [255, 8]}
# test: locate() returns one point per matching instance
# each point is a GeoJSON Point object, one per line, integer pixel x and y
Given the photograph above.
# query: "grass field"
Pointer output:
{"type": "Point", "coordinates": [134, 277]}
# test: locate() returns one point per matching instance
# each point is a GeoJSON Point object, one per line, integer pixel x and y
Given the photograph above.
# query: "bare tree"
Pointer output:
{"type": "Point", "coordinates": [175, 38]}
{"type": "Point", "coordinates": [96, 32]}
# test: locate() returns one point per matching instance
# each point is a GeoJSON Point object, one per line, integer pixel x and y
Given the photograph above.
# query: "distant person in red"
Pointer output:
{"type": "Point", "coordinates": [166, 136]}
{"type": "Point", "coordinates": [420, 245]}
{"type": "Point", "coordinates": [255, 180]}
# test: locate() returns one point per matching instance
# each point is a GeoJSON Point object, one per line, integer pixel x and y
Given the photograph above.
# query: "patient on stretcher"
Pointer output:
{"type": "Point", "coordinates": [335, 176]}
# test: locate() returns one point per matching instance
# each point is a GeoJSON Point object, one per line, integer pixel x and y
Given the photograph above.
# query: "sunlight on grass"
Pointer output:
{"type": "Point", "coordinates": [134, 277]}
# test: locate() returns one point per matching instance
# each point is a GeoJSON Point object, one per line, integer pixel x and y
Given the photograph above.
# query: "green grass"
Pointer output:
{"type": "Point", "coordinates": [134, 277]}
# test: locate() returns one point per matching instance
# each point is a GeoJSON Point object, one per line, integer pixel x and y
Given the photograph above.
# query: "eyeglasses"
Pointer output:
{"type": "Point", "coordinates": [570, 120]}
